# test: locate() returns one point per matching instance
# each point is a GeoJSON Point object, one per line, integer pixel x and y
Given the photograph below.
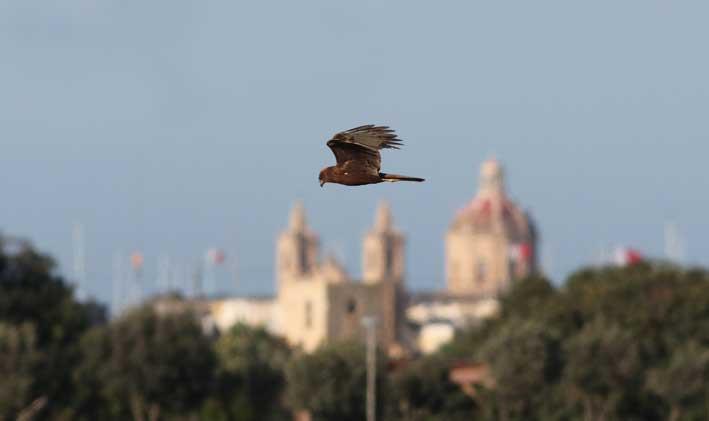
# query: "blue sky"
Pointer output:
{"type": "Point", "coordinates": [172, 126]}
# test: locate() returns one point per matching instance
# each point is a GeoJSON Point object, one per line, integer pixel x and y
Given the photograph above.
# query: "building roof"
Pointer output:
{"type": "Point", "coordinates": [333, 271]}
{"type": "Point", "coordinates": [491, 210]}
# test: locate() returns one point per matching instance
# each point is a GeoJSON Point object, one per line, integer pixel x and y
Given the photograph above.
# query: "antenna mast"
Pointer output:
{"type": "Point", "coordinates": [79, 260]}
{"type": "Point", "coordinates": [674, 243]}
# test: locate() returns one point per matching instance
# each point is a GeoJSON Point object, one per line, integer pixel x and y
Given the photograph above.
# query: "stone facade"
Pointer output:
{"type": "Point", "coordinates": [252, 311]}
{"type": "Point", "coordinates": [491, 241]}
{"type": "Point", "coordinates": [319, 302]}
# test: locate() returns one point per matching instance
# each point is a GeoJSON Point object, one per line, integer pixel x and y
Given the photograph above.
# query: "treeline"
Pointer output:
{"type": "Point", "coordinates": [611, 344]}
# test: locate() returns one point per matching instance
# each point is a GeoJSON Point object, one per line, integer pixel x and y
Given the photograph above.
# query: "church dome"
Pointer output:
{"type": "Point", "coordinates": [490, 214]}
{"type": "Point", "coordinates": [491, 241]}
{"type": "Point", "coordinates": [491, 210]}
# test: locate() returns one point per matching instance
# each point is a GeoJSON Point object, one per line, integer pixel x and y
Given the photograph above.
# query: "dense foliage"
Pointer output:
{"type": "Point", "coordinates": [144, 366]}
{"type": "Point", "coordinates": [612, 343]}
{"type": "Point", "coordinates": [250, 378]}
{"type": "Point", "coordinates": [40, 327]}
{"type": "Point", "coordinates": [423, 391]}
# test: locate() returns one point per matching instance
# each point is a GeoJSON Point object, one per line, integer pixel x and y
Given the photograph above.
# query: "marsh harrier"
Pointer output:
{"type": "Point", "coordinates": [358, 160]}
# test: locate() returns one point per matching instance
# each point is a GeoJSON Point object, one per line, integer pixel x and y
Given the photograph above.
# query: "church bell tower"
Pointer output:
{"type": "Point", "coordinates": [383, 250]}
{"type": "Point", "coordinates": [297, 249]}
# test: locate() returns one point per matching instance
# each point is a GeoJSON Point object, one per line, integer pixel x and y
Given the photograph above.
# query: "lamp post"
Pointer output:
{"type": "Point", "coordinates": [136, 262]}
{"type": "Point", "coordinates": [369, 323]}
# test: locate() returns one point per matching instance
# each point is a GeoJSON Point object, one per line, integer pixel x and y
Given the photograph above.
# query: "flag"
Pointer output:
{"type": "Point", "coordinates": [215, 256]}
{"type": "Point", "coordinates": [136, 260]}
{"type": "Point", "coordinates": [626, 256]}
{"type": "Point", "coordinates": [520, 252]}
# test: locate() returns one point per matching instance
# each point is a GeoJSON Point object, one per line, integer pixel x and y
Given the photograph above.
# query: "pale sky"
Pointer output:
{"type": "Point", "coordinates": [172, 126]}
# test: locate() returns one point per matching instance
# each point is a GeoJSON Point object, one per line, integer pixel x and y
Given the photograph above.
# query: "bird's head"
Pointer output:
{"type": "Point", "coordinates": [322, 177]}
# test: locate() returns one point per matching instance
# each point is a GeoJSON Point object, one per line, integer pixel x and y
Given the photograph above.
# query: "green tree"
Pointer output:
{"type": "Point", "coordinates": [527, 298]}
{"type": "Point", "coordinates": [32, 294]}
{"type": "Point", "coordinates": [525, 361]}
{"type": "Point", "coordinates": [424, 391]}
{"type": "Point", "coordinates": [146, 366]}
{"type": "Point", "coordinates": [19, 362]}
{"type": "Point", "coordinates": [250, 377]}
{"type": "Point", "coordinates": [31, 291]}
{"type": "Point", "coordinates": [331, 382]}
{"type": "Point", "coordinates": [611, 326]}
{"type": "Point", "coordinates": [653, 298]}
{"type": "Point", "coordinates": [533, 298]}
{"type": "Point", "coordinates": [638, 315]}
{"type": "Point", "coordinates": [683, 383]}
{"type": "Point", "coordinates": [603, 367]}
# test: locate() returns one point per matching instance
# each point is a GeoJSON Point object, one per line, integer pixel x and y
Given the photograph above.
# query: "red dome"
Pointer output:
{"type": "Point", "coordinates": [494, 214]}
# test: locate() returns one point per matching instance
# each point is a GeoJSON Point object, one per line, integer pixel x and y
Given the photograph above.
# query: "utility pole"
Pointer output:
{"type": "Point", "coordinates": [197, 283]}
{"type": "Point", "coordinates": [674, 244]}
{"type": "Point", "coordinates": [79, 260]}
{"type": "Point", "coordinates": [136, 262]}
{"type": "Point", "coordinates": [163, 280]}
{"type": "Point", "coordinates": [117, 284]}
{"type": "Point", "coordinates": [370, 323]}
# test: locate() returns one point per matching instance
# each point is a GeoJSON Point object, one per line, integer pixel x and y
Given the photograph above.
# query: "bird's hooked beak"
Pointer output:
{"type": "Point", "coordinates": [322, 183]}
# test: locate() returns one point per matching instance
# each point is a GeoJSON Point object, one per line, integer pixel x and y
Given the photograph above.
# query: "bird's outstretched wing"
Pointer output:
{"type": "Point", "coordinates": [363, 144]}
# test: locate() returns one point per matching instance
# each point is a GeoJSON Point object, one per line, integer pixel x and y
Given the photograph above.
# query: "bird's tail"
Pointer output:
{"type": "Point", "coordinates": [395, 177]}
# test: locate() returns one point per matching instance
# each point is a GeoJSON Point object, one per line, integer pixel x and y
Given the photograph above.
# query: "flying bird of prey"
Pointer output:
{"type": "Point", "coordinates": [358, 160]}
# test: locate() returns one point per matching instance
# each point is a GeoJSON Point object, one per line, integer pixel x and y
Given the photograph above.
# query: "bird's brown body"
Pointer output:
{"type": "Point", "coordinates": [349, 177]}
{"type": "Point", "coordinates": [358, 159]}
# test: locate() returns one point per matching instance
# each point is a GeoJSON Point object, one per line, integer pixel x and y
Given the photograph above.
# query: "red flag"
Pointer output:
{"type": "Point", "coordinates": [136, 260]}
{"type": "Point", "coordinates": [626, 256]}
{"type": "Point", "coordinates": [215, 256]}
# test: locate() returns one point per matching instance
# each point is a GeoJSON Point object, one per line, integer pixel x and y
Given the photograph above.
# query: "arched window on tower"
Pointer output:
{"type": "Point", "coordinates": [351, 306]}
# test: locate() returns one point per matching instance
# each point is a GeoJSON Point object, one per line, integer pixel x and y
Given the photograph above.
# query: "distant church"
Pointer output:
{"type": "Point", "coordinates": [491, 241]}
{"type": "Point", "coordinates": [317, 302]}
{"type": "Point", "coordinates": [490, 244]}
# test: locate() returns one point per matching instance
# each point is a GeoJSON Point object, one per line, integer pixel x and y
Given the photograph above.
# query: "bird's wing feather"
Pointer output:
{"type": "Point", "coordinates": [345, 152]}
{"type": "Point", "coordinates": [363, 144]}
{"type": "Point", "coordinates": [370, 137]}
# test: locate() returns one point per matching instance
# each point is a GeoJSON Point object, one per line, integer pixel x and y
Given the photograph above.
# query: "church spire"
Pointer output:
{"type": "Point", "coordinates": [297, 217]}
{"type": "Point", "coordinates": [296, 249]}
{"type": "Point", "coordinates": [383, 249]}
{"type": "Point", "coordinates": [383, 220]}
